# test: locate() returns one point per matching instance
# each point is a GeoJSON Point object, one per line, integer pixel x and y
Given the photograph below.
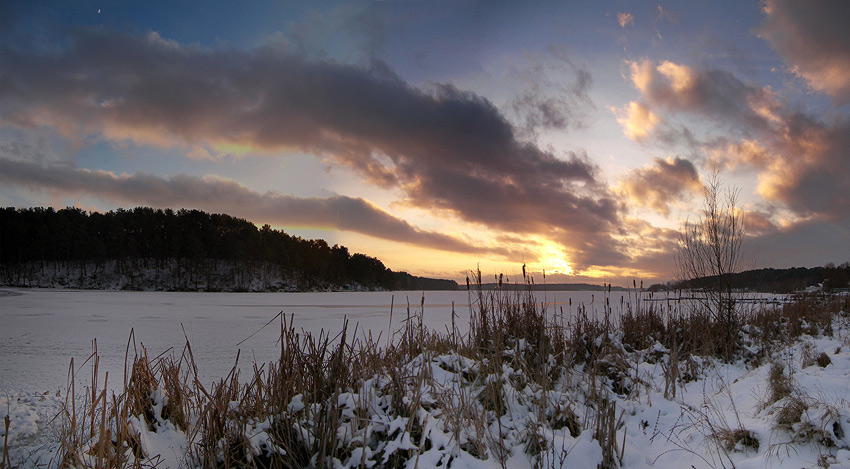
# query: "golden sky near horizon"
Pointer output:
{"type": "Point", "coordinates": [442, 136]}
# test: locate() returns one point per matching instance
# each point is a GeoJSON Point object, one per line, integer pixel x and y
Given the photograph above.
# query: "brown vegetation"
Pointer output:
{"type": "Point", "coordinates": [321, 400]}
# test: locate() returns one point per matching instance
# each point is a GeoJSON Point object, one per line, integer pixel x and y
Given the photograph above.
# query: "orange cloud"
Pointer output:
{"type": "Point", "coordinates": [680, 77]}
{"type": "Point", "coordinates": [637, 120]}
{"type": "Point", "coordinates": [661, 183]}
{"type": "Point", "coordinates": [809, 170]}
{"type": "Point", "coordinates": [716, 93]}
{"type": "Point", "coordinates": [801, 161]}
{"type": "Point", "coordinates": [747, 152]}
{"type": "Point", "coordinates": [664, 78]}
{"type": "Point", "coordinates": [625, 19]}
{"type": "Point", "coordinates": [642, 75]}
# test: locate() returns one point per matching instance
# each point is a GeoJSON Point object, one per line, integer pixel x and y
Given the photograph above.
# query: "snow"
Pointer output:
{"type": "Point", "coordinates": [32, 434]}
{"type": "Point", "coordinates": [41, 330]}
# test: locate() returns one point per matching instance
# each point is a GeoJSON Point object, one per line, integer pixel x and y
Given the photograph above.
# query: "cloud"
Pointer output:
{"type": "Point", "coordinates": [718, 94]}
{"type": "Point", "coordinates": [550, 99]}
{"type": "Point", "coordinates": [445, 149]}
{"type": "Point", "coordinates": [811, 171]}
{"type": "Point", "coordinates": [625, 19]}
{"type": "Point", "coordinates": [759, 223]}
{"type": "Point", "coordinates": [805, 244]}
{"type": "Point", "coordinates": [744, 153]}
{"type": "Point", "coordinates": [653, 249]}
{"type": "Point", "coordinates": [222, 195]}
{"type": "Point", "coordinates": [801, 161]}
{"type": "Point", "coordinates": [812, 37]}
{"type": "Point", "coordinates": [661, 183]}
{"type": "Point", "coordinates": [637, 120]}
{"type": "Point", "coordinates": [664, 14]}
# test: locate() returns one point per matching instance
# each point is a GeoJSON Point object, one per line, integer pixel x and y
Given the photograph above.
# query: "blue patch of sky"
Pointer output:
{"type": "Point", "coordinates": [206, 23]}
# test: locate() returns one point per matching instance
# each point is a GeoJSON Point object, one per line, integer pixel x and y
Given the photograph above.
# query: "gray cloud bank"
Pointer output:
{"type": "Point", "coordinates": [445, 149]}
{"type": "Point", "coordinates": [221, 195]}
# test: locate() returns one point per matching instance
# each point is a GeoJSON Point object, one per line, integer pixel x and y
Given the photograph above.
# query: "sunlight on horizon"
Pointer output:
{"type": "Point", "coordinates": [554, 260]}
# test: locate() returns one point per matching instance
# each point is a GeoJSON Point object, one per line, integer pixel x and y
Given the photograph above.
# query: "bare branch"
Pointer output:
{"type": "Point", "coordinates": [710, 251]}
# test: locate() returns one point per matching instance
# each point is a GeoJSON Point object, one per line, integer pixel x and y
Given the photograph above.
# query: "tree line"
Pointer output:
{"type": "Point", "coordinates": [776, 280]}
{"type": "Point", "coordinates": [192, 241]}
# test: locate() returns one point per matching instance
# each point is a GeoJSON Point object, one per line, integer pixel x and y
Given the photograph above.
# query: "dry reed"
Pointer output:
{"type": "Point", "coordinates": [333, 400]}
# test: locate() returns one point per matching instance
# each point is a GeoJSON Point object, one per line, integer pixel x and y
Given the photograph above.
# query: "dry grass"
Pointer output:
{"type": "Point", "coordinates": [779, 383]}
{"type": "Point", "coordinates": [6, 462]}
{"type": "Point", "coordinates": [319, 402]}
{"type": "Point", "coordinates": [810, 314]}
{"type": "Point", "coordinates": [790, 412]}
{"type": "Point", "coordinates": [738, 440]}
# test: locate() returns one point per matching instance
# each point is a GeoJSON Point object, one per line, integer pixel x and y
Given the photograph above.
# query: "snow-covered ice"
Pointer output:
{"type": "Point", "coordinates": [41, 330]}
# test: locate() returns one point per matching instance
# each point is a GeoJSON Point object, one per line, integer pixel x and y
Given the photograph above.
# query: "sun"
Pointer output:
{"type": "Point", "coordinates": [553, 259]}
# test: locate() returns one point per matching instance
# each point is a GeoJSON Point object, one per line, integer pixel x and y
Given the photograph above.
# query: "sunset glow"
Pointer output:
{"type": "Point", "coordinates": [554, 260]}
{"type": "Point", "coordinates": [572, 137]}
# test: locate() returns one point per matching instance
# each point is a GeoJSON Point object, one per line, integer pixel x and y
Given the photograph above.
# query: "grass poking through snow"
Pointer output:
{"type": "Point", "coordinates": [528, 386]}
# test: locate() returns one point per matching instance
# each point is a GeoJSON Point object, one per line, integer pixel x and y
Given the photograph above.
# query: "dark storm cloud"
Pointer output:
{"type": "Point", "coordinates": [216, 195]}
{"type": "Point", "coordinates": [813, 38]}
{"type": "Point", "coordinates": [662, 183]}
{"type": "Point", "coordinates": [444, 148]}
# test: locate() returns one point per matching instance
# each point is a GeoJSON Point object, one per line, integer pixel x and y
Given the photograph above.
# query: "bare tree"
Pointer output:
{"type": "Point", "coordinates": [710, 252]}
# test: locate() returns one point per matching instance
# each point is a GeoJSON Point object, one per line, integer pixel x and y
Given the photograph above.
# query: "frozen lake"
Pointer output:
{"type": "Point", "coordinates": [42, 329]}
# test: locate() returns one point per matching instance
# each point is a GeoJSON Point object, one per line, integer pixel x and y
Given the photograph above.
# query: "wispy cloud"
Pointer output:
{"type": "Point", "coordinates": [549, 99]}
{"type": "Point", "coordinates": [625, 19]}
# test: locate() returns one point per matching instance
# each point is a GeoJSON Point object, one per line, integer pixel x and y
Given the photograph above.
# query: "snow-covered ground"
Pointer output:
{"type": "Point", "coordinates": [40, 330]}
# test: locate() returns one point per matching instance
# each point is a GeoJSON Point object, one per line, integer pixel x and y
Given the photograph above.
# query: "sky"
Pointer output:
{"type": "Point", "coordinates": [443, 136]}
